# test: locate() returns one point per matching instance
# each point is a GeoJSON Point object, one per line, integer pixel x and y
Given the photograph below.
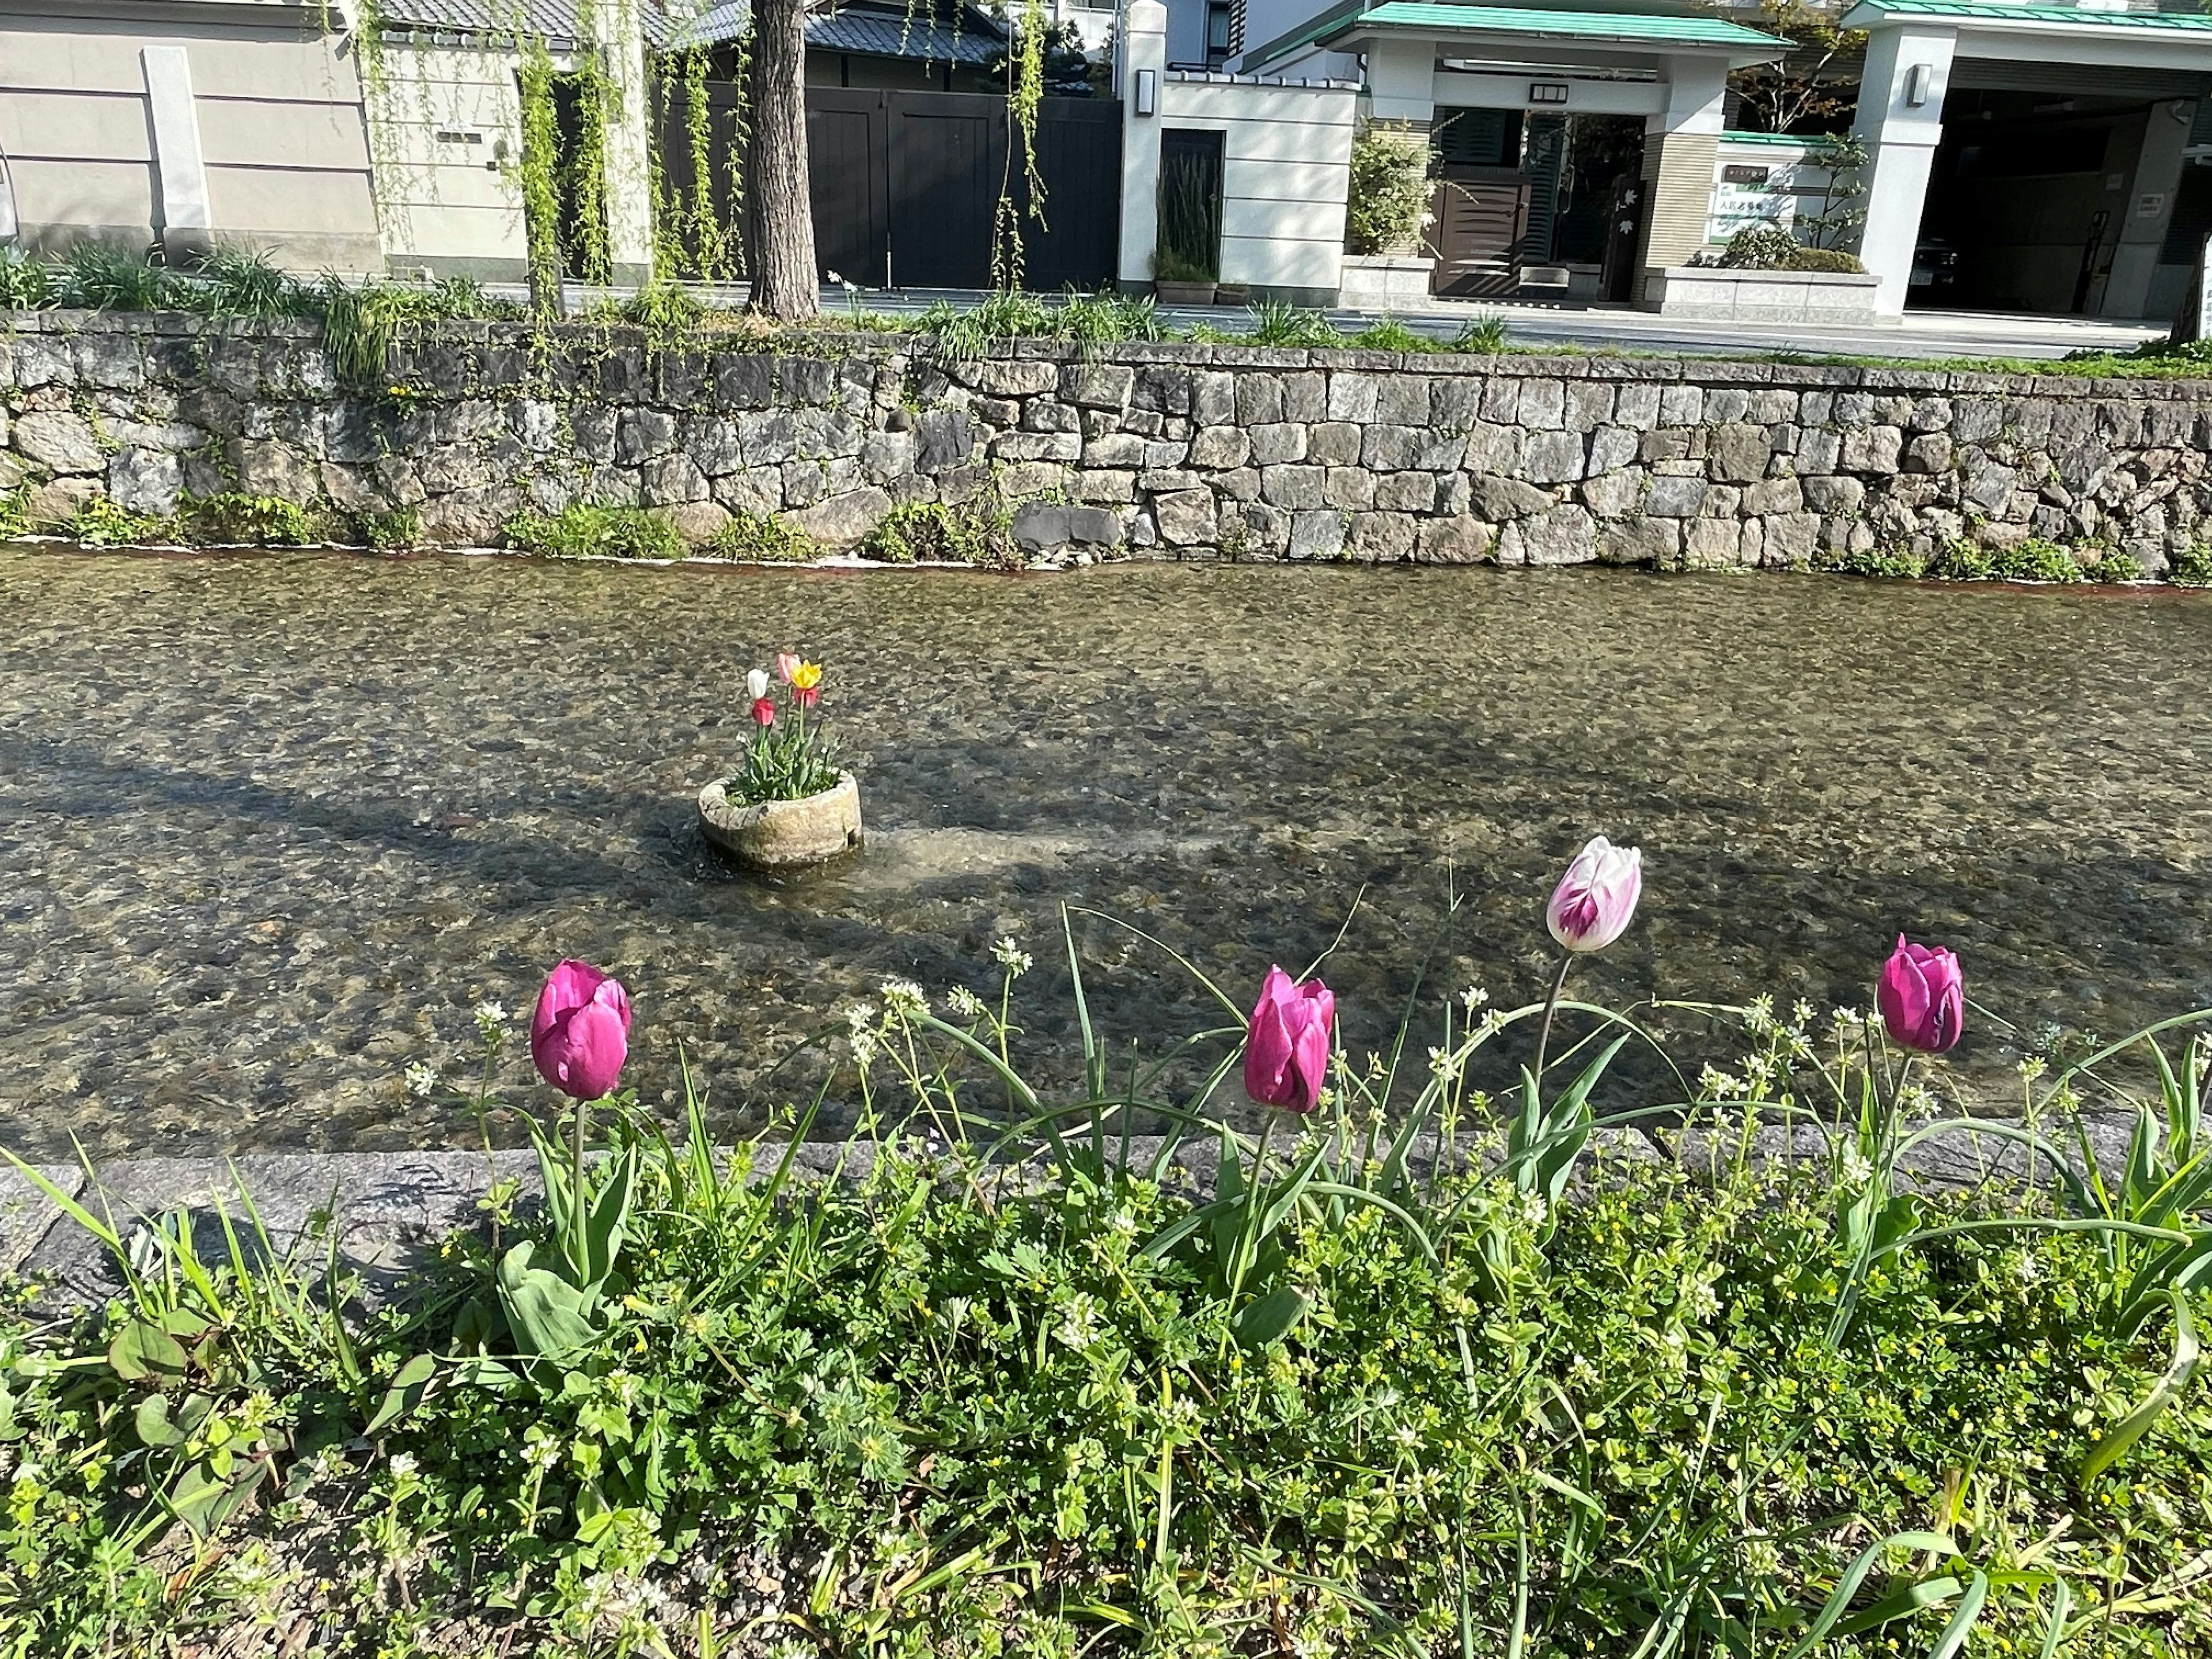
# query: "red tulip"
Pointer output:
{"type": "Point", "coordinates": [1923, 997]}
{"type": "Point", "coordinates": [1287, 1044]}
{"type": "Point", "coordinates": [579, 1035]}
{"type": "Point", "coordinates": [764, 711]}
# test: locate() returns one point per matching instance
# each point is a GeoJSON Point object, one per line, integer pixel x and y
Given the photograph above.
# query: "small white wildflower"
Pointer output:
{"type": "Point", "coordinates": [1800, 1013]}
{"type": "Point", "coordinates": [2034, 1067]}
{"type": "Point", "coordinates": [1719, 1085]}
{"type": "Point", "coordinates": [866, 1046]}
{"type": "Point", "coordinates": [420, 1080]}
{"type": "Point", "coordinates": [488, 1012]}
{"type": "Point", "coordinates": [1078, 1320]}
{"type": "Point", "coordinates": [401, 1464]}
{"type": "Point", "coordinates": [1534, 1209]}
{"type": "Point", "coordinates": [965, 1003]}
{"type": "Point", "coordinates": [2028, 1270]}
{"type": "Point", "coordinates": [1855, 1170]}
{"type": "Point", "coordinates": [1443, 1063]}
{"type": "Point", "coordinates": [1473, 998]}
{"type": "Point", "coordinates": [1011, 956]}
{"type": "Point", "coordinates": [860, 1017]}
{"type": "Point", "coordinates": [904, 996]}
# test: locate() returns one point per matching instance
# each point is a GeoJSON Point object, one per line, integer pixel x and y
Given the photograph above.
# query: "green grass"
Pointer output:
{"type": "Point", "coordinates": [596, 531]}
{"type": "Point", "coordinates": [101, 522]}
{"type": "Point", "coordinates": [978, 532]}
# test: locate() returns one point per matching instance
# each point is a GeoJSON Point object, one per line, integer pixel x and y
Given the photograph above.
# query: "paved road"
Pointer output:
{"type": "Point", "coordinates": [1928, 334]}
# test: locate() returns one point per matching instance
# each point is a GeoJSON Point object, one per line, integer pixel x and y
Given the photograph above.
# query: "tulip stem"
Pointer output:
{"type": "Point", "coordinates": [1544, 1034]}
{"type": "Point", "coordinates": [577, 1232]}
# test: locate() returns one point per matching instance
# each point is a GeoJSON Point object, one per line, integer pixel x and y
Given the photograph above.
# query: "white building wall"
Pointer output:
{"type": "Point", "coordinates": [1286, 172]}
{"type": "Point", "coordinates": [447, 135]}
{"type": "Point", "coordinates": [264, 121]}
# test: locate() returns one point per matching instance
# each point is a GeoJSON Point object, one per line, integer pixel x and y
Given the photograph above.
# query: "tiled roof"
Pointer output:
{"type": "Point", "coordinates": [1967, 11]}
{"type": "Point", "coordinates": [1621, 28]}
{"type": "Point", "coordinates": [939, 31]}
{"type": "Point", "coordinates": [963, 38]}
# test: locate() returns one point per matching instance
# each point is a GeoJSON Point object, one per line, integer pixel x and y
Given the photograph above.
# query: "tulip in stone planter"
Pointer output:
{"type": "Point", "coordinates": [791, 805]}
{"type": "Point", "coordinates": [784, 834]}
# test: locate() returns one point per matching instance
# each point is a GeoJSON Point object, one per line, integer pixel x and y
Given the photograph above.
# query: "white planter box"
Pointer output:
{"type": "Point", "coordinates": [1712, 294]}
{"type": "Point", "coordinates": [1384, 281]}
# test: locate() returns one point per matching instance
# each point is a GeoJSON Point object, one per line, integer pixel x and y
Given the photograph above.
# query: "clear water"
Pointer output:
{"type": "Point", "coordinates": [269, 825]}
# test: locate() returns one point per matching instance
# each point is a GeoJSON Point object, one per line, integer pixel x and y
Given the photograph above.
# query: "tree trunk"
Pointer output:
{"type": "Point", "coordinates": [779, 212]}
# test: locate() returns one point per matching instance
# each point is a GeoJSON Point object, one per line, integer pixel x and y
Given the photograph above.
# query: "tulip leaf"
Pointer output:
{"type": "Point", "coordinates": [548, 1315]}
{"type": "Point", "coordinates": [2136, 1424]}
{"type": "Point", "coordinates": [144, 1351]}
{"type": "Point", "coordinates": [409, 1386]}
{"type": "Point", "coordinates": [1269, 1318]}
{"type": "Point", "coordinates": [153, 1423]}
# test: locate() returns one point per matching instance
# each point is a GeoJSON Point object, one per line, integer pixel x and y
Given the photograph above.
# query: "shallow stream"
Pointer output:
{"type": "Point", "coordinates": [271, 825]}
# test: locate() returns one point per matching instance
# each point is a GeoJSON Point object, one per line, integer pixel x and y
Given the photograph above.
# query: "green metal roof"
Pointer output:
{"type": "Point", "coordinates": [1634, 28]}
{"type": "Point", "coordinates": [2050, 16]}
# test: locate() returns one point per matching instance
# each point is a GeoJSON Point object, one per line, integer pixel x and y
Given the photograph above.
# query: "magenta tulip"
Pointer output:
{"type": "Point", "coordinates": [1923, 997]}
{"type": "Point", "coordinates": [1286, 1046]}
{"type": "Point", "coordinates": [1593, 900]}
{"type": "Point", "coordinates": [579, 1035]}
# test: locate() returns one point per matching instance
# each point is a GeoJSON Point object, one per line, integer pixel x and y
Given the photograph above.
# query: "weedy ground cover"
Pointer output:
{"type": "Point", "coordinates": [1011, 1378]}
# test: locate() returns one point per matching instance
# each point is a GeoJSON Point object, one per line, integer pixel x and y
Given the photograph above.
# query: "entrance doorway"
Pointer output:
{"type": "Point", "coordinates": [2026, 202]}
{"type": "Point", "coordinates": [1534, 201]}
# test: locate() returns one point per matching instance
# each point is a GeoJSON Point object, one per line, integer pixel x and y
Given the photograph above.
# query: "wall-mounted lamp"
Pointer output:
{"type": "Point", "coordinates": [1148, 91]}
{"type": "Point", "coordinates": [1547, 92]}
{"type": "Point", "coordinates": [1916, 85]}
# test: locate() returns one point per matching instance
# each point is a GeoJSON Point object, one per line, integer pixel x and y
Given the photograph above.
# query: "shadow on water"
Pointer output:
{"type": "Point", "coordinates": [270, 827]}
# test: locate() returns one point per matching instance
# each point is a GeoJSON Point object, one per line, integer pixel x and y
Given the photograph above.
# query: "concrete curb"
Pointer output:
{"type": "Point", "coordinates": [383, 1211]}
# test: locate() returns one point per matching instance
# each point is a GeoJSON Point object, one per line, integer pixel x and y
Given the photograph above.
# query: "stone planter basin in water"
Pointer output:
{"type": "Point", "coordinates": [785, 835]}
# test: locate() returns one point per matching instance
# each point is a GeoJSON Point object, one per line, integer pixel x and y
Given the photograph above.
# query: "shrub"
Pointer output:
{"type": "Point", "coordinates": [101, 522]}
{"type": "Point", "coordinates": [390, 530]}
{"type": "Point", "coordinates": [108, 276]}
{"type": "Point", "coordinates": [1389, 189]}
{"type": "Point", "coordinates": [244, 520]}
{"type": "Point", "coordinates": [1825, 259]}
{"type": "Point", "coordinates": [1484, 335]}
{"type": "Point", "coordinates": [1873, 562]}
{"type": "Point", "coordinates": [1962, 561]}
{"type": "Point", "coordinates": [596, 531]}
{"type": "Point", "coordinates": [979, 533]}
{"type": "Point", "coordinates": [1278, 323]}
{"type": "Point", "coordinates": [15, 513]}
{"type": "Point", "coordinates": [2034, 559]}
{"type": "Point", "coordinates": [764, 536]}
{"type": "Point", "coordinates": [2100, 563]}
{"type": "Point", "coordinates": [1770, 247]}
{"type": "Point", "coordinates": [25, 283]}
{"type": "Point", "coordinates": [2192, 566]}
{"type": "Point", "coordinates": [1391, 335]}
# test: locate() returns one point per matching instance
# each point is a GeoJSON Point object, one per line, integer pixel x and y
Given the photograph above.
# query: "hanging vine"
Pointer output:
{"type": "Point", "coordinates": [1024, 102]}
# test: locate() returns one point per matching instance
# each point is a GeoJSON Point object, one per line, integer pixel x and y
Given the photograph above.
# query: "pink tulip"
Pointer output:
{"type": "Point", "coordinates": [579, 1035]}
{"type": "Point", "coordinates": [1286, 1046]}
{"type": "Point", "coordinates": [764, 711]}
{"type": "Point", "coordinates": [787, 665]}
{"type": "Point", "coordinates": [1923, 997]}
{"type": "Point", "coordinates": [1595, 900]}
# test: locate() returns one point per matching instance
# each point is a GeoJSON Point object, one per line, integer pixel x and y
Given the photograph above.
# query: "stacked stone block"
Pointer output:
{"type": "Point", "coordinates": [1157, 450]}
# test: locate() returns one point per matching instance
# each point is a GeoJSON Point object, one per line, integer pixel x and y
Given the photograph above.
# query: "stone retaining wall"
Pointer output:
{"type": "Point", "coordinates": [1169, 450]}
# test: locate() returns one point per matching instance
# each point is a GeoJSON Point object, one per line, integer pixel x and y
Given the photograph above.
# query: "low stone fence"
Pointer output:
{"type": "Point", "coordinates": [1166, 450]}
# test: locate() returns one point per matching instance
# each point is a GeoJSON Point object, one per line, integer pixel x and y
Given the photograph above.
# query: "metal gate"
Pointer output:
{"type": "Point", "coordinates": [1480, 220]}
{"type": "Point", "coordinates": [907, 184]}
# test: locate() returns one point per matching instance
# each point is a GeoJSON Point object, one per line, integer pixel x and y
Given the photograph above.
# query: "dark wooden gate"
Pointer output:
{"type": "Point", "coordinates": [907, 186]}
{"type": "Point", "coordinates": [1481, 217]}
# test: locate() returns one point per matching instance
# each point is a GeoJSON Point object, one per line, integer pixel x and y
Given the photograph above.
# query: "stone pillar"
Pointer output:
{"type": "Point", "coordinates": [1900, 121]}
{"type": "Point", "coordinates": [1140, 73]}
{"type": "Point", "coordinates": [1681, 148]}
{"type": "Point", "coordinates": [181, 218]}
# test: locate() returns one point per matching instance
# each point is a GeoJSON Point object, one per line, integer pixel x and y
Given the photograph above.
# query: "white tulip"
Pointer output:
{"type": "Point", "coordinates": [757, 684]}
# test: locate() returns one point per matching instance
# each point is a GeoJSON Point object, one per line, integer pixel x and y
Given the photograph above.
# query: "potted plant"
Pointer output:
{"type": "Point", "coordinates": [791, 805]}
